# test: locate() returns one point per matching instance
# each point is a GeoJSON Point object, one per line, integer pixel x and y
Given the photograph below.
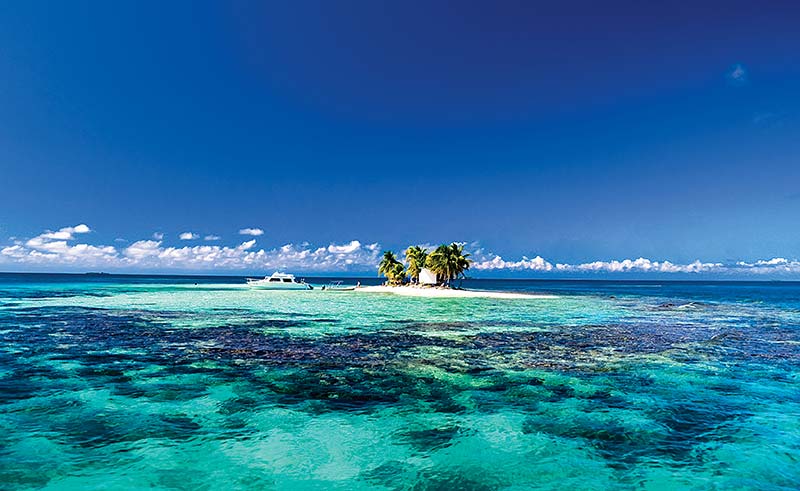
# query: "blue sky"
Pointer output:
{"type": "Point", "coordinates": [578, 133]}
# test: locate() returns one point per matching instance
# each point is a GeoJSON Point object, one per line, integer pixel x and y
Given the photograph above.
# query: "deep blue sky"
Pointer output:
{"type": "Point", "coordinates": [574, 130]}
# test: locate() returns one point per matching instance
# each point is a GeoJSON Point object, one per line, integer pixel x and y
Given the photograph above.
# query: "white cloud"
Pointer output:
{"type": "Point", "coordinates": [483, 261]}
{"type": "Point", "coordinates": [46, 250]}
{"type": "Point", "coordinates": [13, 251]}
{"type": "Point", "coordinates": [776, 265]}
{"type": "Point", "coordinates": [770, 120]}
{"type": "Point", "coordinates": [353, 246]}
{"type": "Point", "coordinates": [772, 262]}
{"type": "Point", "coordinates": [737, 74]}
{"type": "Point", "coordinates": [151, 254]}
{"type": "Point", "coordinates": [142, 249]}
{"type": "Point", "coordinates": [53, 249]}
{"type": "Point", "coordinates": [255, 232]}
{"type": "Point", "coordinates": [494, 262]}
{"type": "Point", "coordinates": [188, 236]}
{"type": "Point", "coordinates": [158, 235]}
{"type": "Point", "coordinates": [66, 233]}
{"type": "Point", "coordinates": [211, 237]}
{"type": "Point", "coordinates": [641, 265]}
{"type": "Point", "coordinates": [498, 263]}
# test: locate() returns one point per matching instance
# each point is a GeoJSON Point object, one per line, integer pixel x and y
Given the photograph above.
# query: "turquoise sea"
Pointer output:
{"type": "Point", "coordinates": [132, 382]}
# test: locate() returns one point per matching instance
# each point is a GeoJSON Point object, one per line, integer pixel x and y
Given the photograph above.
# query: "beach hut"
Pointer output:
{"type": "Point", "coordinates": [427, 277]}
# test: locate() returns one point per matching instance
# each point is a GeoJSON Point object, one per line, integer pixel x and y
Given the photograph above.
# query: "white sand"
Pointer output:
{"type": "Point", "coordinates": [414, 291]}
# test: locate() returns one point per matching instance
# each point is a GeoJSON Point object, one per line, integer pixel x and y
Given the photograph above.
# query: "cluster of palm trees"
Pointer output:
{"type": "Point", "coordinates": [448, 262]}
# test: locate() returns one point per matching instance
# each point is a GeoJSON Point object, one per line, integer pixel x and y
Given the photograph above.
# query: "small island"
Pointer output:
{"type": "Point", "coordinates": [433, 275]}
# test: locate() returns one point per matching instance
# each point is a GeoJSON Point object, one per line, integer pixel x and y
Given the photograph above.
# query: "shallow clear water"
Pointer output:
{"type": "Point", "coordinates": [110, 382]}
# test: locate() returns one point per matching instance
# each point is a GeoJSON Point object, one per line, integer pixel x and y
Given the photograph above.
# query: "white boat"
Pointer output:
{"type": "Point", "coordinates": [336, 286]}
{"type": "Point", "coordinates": [279, 281]}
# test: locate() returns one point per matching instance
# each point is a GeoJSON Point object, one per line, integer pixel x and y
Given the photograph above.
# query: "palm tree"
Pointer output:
{"type": "Point", "coordinates": [437, 262]}
{"type": "Point", "coordinates": [398, 274]}
{"type": "Point", "coordinates": [416, 257]}
{"type": "Point", "coordinates": [460, 259]}
{"type": "Point", "coordinates": [449, 262]}
{"type": "Point", "coordinates": [391, 268]}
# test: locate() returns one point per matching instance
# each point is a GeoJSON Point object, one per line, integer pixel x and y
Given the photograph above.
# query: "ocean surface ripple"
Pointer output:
{"type": "Point", "coordinates": [126, 383]}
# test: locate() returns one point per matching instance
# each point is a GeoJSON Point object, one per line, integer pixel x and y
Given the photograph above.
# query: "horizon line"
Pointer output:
{"type": "Point", "coordinates": [496, 278]}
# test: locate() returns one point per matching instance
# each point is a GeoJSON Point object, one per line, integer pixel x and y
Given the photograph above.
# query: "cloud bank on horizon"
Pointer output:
{"type": "Point", "coordinates": [62, 249]}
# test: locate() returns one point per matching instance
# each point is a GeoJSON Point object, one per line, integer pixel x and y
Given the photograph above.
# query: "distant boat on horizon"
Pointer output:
{"type": "Point", "coordinates": [279, 281]}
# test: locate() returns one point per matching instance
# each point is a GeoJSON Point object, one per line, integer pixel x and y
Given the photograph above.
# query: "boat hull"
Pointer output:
{"type": "Point", "coordinates": [280, 286]}
{"type": "Point", "coordinates": [278, 281]}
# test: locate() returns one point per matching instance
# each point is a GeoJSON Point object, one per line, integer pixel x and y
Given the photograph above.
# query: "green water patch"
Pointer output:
{"type": "Point", "coordinates": [327, 399]}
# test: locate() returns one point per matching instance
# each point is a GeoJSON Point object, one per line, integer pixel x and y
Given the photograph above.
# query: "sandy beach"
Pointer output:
{"type": "Point", "coordinates": [413, 291]}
